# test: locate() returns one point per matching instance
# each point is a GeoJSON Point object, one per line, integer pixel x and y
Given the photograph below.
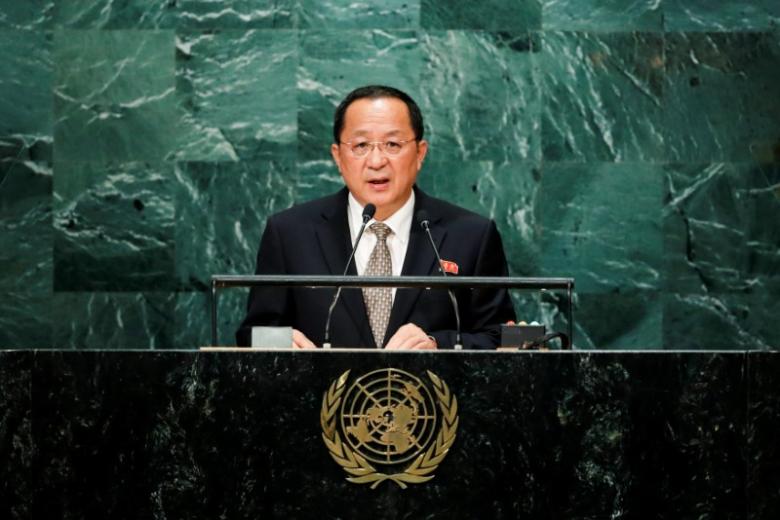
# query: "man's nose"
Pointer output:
{"type": "Point", "coordinates": [376, 158]}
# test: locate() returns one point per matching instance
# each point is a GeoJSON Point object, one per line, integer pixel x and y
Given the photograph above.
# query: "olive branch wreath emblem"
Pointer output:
{"type": "Point", "coordinates": [361, 471]}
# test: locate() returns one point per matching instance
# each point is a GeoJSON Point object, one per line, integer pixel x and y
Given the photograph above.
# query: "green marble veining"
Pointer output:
{"type": "Point", "coordinates": [237, 95]}
{"type": "Point", "coordinates": [317, 178]}
{"type": "Point", "coordinates": [26, 227]}
{"type": "Point", "coordinates": [633, 145]}
{"type": "Point", "coordinates": [718, 233]}
{"type": "Point", "coordinates": [189, 14]}
{"type": "Point", "coordinates": [221, 210]}
{"type": "Point", "coordinates": [206, 14]}
{"type": "Point", "coordinates": [333, 62]}
{"type": "Point", "coordinates": [192, 317]}
{"type": "Point", "coordinates": [25, 172]}
{"type": "Point", "coordinates": [27, 15]}
{"type": "Point", "coordinates": [724, 321]}
{"type": "Point", "coordinates": [482, 102]}
{"type": "Point", "coordinates": [603, 15]}
{"type": "Point", "coordinates": [720, 15]}
{"type": "Point", "coordinates": [602, 96]}
{"type": "Point", "coordinates": [113, 320]}
{"type": "Point", "coordinates": [601, 224]}
{"type": "Point", "coordinates": [113, 226]}
{"type": "Point", "coordinates": [113, 95]}
{"type": "Point", "coordinates": [25, 320]}
{"type": "Point", "coordinates": [631, 319]}
{"type": "Point", "coordinates": [114, 14]}
{"type": "Point", "coordinates": [25, 84]}
{"type": "Point", "coordinates": [722, 101]}
{"type": "Point", "coordinates": [348, 14]}
{"type": "Point", "coordinates": [497, 15]}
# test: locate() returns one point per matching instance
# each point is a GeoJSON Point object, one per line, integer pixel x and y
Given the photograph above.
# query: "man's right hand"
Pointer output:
{"type": "Point", "coordinates": [300, 341]}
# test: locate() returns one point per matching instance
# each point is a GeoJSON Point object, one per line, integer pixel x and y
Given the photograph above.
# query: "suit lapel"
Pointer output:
{"type": "Point", "coordinates": [334, 239]}
{"type": "Point", "coordinates": [420, 261]}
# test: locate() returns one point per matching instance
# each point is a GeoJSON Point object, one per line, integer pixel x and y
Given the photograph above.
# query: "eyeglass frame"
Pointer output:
{"type": "Point", "coordinates": [379, 144]}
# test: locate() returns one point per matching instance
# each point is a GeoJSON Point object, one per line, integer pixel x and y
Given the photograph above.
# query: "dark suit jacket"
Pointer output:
{"type": "Point", "coordinates": [313, 239]}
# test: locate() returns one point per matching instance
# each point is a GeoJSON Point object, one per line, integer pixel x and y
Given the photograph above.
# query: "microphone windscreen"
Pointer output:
{"type": "Point", "coordinates": [422, 217]}
{"type": "Point", "coordinates": [368, 212]}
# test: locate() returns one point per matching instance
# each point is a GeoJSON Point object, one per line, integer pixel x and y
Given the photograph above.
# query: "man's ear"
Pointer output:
{"type": "Point", "coordinates": [422, 149]}
{"type": "Point", "coordinates": [334, 152]}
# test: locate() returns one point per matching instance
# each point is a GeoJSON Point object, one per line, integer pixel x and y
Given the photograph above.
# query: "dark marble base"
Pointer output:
{"type": "Point", "coordinates": [90, 434]}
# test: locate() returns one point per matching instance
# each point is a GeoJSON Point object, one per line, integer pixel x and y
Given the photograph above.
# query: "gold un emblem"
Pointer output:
{"type": "Point", "coordinates": [388, 426]}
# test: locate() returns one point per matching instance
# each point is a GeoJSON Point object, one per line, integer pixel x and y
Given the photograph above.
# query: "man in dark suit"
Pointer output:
{"type": "Point", "coordinates": [379, 149]}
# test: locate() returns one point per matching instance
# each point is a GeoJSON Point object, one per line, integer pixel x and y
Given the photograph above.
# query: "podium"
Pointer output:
{"type": "Point", "coordinates": [449, 283]}
{"type": "Point", "coordinates": [184, 434]}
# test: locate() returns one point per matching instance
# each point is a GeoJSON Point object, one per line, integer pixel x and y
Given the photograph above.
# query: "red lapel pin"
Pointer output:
{"type": "Point", "coordinates": [449, 267]}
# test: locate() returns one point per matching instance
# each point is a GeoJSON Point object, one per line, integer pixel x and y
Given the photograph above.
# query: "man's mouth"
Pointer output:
{"type": "Point", "coordinates": [379, 182]}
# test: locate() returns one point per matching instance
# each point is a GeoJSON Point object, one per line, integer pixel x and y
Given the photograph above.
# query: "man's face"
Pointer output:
{"type": "Point", "coordinates": [379, 178]}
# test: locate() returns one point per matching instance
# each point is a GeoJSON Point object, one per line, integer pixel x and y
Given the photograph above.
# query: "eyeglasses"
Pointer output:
{"type": "Point", "coordinates": [389, 147]}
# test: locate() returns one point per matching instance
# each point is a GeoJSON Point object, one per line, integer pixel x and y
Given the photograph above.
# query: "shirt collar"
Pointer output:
{"type": "Point", "coordinates": [400, 221]}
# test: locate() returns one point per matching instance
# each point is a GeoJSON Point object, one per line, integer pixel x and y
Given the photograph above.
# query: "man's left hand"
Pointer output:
{"type": "Point", "coordinates": [411, 337]}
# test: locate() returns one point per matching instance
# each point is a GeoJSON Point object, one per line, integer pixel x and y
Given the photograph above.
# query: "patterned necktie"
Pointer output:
{"type": "Point", "coordinates": [379, 300]}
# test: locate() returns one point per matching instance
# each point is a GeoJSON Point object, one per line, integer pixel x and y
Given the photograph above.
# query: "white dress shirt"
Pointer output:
{"type": "Point", "coordinates": [399, 222]}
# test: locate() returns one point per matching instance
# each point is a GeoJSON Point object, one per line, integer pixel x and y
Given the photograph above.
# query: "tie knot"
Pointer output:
{"type": "Point", "coordinates": [381, 230]}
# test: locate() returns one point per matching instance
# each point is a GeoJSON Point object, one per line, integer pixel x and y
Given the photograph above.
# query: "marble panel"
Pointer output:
{"type": "Point", "coordinates": [720, 15]}
{"type": "Point", "coordinates": [16, 151]}
{"type": "Point", "coordinates": [16, 439]}
{"type": "Point", "coordinates": [687, 434]}
{"type": "Point", "coordinates": [480, 95]}
{"type": "Point", "coordinates": [193, 317]}
{"type": "Point", "coordinates": [25, 85]}
{"type": "Point", "coordinates": [25, 320]}
{"type": "Point", "coordinates": [115, 14]}
{"type": "Point", "coordinates": [601, 224]}
{"type": "Point", "coordinates": [491, 15]}
{"type": "Point", "coordinates": [265, 14]}
{"type": "Point", "coordinates": [317, 179]}
{"type": "Point", "coordinates": [347, 14]}
{"type": "Point", "coordinates": [103, 320]}
{"type": "Point", "coordinates": [720, 227]}
{"type": "Point", "coordinates": [602, 15]}
{"type": "Point", "coordinates": [763, 423]}
{"type": "Point", "coordinates": [193, 14]}
{"type": "Point", "coordinates": [505, 193]}
{"type": "Point", "coordinates": [28, 15]}
{"type": "Point", "coordinates": [631, 320]}
{"type": "Point", "coordinates": [721, 101]}
{"type": "Point", "coordinates": [236, 94]}
{"type": "Point", "coordinates": [114, 95]}
{"type": "Point", "coordinates": [602, 96]}
{"type": "Point", "coordinates": [334, 62]}
{"type": "Point", "coordinates": [113, 226]}
{"type": "Point", "coordinates": [132, 404]}
{"type": "Point", "coordinates": [722, 321]}
{"type": "Point", "coordinates": [539, 436]}
{"type": "Point", "coordinates": [221, 211]}
{"type": "Point", "coordinates": [26, 238]}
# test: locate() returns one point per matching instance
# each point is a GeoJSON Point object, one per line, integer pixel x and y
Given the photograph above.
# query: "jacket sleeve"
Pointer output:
{"type": "Point", "coordinates": [269, 306]}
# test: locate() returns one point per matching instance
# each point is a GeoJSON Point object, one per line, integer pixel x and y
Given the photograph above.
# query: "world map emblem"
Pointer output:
{"type": "Point", "coordinates": [389, 425]}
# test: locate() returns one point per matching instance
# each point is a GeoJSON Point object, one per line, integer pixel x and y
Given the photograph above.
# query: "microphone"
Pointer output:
{"type": "Point", "coordinates": [422, 218]}
{"type": "Point", "coordinates": [368, 214]}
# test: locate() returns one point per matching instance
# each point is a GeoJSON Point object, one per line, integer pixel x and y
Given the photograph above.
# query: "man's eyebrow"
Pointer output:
{"type": "Point", "coordinates": [361, 133]}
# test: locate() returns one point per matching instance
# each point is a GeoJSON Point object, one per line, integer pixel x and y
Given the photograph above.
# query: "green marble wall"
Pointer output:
{"type": "Point", "coordinates": [632, 144]}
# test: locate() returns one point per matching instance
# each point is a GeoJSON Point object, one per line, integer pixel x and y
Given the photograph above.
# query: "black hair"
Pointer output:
{"type": "Point", "coordinates": [376, 92]}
